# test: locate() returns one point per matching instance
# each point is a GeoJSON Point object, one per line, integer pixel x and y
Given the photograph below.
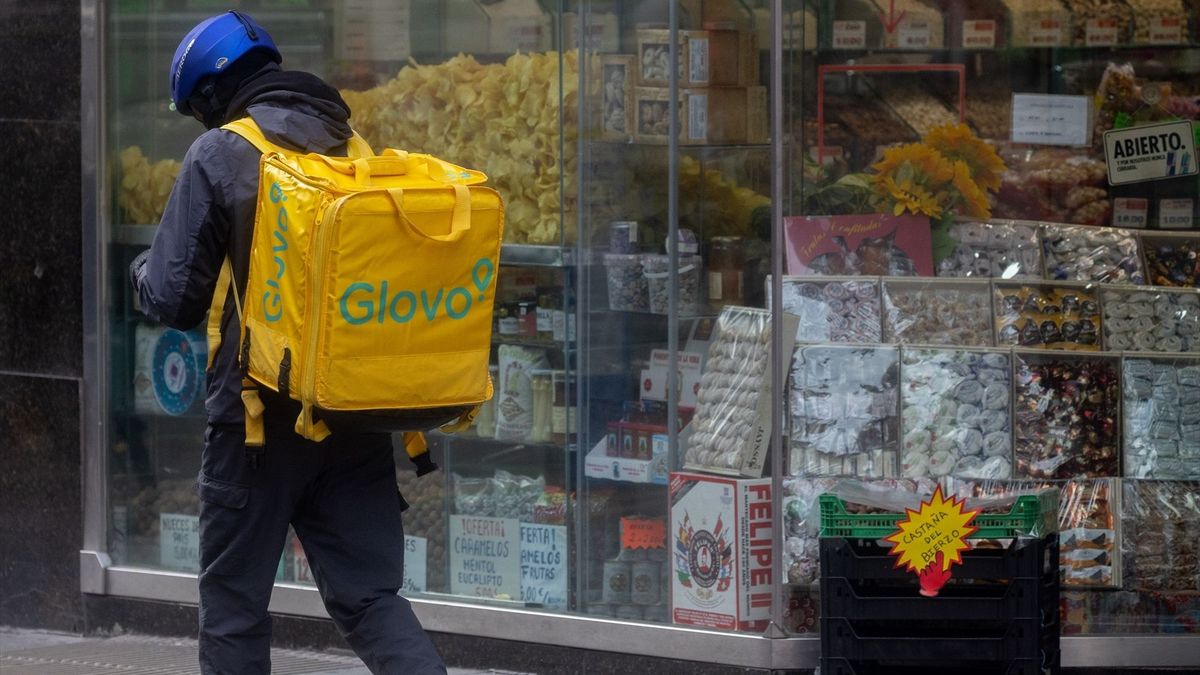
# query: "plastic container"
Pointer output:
{"type": "Point", "coordinates": [1032, 515]}
{"type": "Point", "coordinates": [627, 290]}
{"type": "Point", "coordinates": [657, 270]}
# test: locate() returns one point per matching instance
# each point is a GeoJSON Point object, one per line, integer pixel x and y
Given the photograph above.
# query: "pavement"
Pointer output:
{"type": "Point", "coordinates": [32, 652]}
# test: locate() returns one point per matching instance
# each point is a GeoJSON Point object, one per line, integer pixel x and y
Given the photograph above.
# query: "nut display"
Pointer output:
{"type": "Point", "coordinates": [1057, 185]}
{"type": "Point", "coordinates": [145, 186]}
{"type": "Point", "coordinates": [426, 517]}
{"type": "Point", "coordinates": [1172, 262]}
{"type": "Point", "coordinates": [727, 403]}
{"type": "Point", "coordinates": [503, 495]}
{"type": "Point", "coordinates": [956, 414]}
{"type": "Point", "coordinates": [915, 105]}
{"type": "Point", "coordinates": [844, 412]}
{"type": "Point", "coordinates": [1107, 255]}
{"type": "Point", "coordinates": [920, 26]}
{"type": "Point", "coordinates": [1086, 14]}
{"type": "Point", "coordinates": [471, 114]}
{"type": "Point", "coordinates": [990, 112]}
{"type": "Point", "coordinates": [657, 270]}
{"type": "Point", "coordinates": [1051, 317]}
{"type": "Point", "coordinates": [801, 547]}
{"type": "Point", "coordinates": [1162, 535]}
{"type": "Point", "coordinates": [1159, 21]}
{"type": "Point", "coordinates": [1039, 23]}
{"type": "Point", "coordinates": [1066, 415]}
{"type": "Point", "coordinates": [834, 311]}
{"type": "Point", "coordinates": [937, 314]}
{"type": "Point", "coordinates": [993, 249]}
{"type": "Point", "coordinates": [1151, 321]}
{"type": "Point", "coordinates": [1162, 418]}
{"type": "Point", "coordinates": [627, 289]}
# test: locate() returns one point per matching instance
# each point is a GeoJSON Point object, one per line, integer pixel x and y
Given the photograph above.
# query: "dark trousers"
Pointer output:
{"type": "Point", "coordinates": [341, 498]}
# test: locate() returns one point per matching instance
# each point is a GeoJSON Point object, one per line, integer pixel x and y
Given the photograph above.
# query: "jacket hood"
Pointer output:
{"type": "Point", "coordinates": [294, 109]}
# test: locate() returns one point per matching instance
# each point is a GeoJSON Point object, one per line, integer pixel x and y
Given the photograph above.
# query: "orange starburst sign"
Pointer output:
{"type": "Point", "coordinates": [931, 539]}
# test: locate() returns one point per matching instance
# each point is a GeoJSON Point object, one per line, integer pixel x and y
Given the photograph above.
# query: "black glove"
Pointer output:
{"type": "Point", "coordinates": [424, 463]}
{"type": "Point", "coordinates": [135, 267]}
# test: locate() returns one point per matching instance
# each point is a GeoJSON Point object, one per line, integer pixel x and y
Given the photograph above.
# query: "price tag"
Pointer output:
{"type": "Point", "coordinates": [849, 34]}
{"type": "Point", "coordinates": [179, 542]}
{"type": "Point", "coordinates": [416, 556]}
{"type": "Point", "coordinates": [931, 540]}
{"type": "Point", "coordinates": [1046, 119]}
{"type": "Point", "coordinates": [544, 565]}
{"type": "Point", "coordinates": [1047, 33]}
{"type": "Point", "coordinates": [485, 557]}
{"type": "Point", "coordinates": [1176, 213]}
{"type": "Point", "coordinates": [979, 34]}
{"type": "Point", "coordinates": [643, 533]}
{"type": "Point", "coordinates": [1130, 212]}
{"type": "Point", "coordinates": [1100, 33]}
{"type": "Point", "coordinates": [915, 34]}
{"type": "Point", "coordinates": [1166, 30]}
{"type": "Point", "coordinates": [697, 117]}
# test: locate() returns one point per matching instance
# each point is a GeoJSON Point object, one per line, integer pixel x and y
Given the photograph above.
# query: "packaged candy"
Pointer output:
{"type": "Point", "coordinates": [834, 309]}
{"type": "Point", "coordinates": [1151, 320]}
{"type": "Point", "coordinates": [937, 313]}
{"type": "Point", "coordinates": [999, 249]}
{"type": "Point", "coordinates": [1047, 317]}
{"type": "Point", "coordinates": [1162, 418]}
{"type": "Point", "coordinates": [1162, 534]}
{"type": "Point", "coordinates": [844, 411]}
{"type": "Point", "coordinates": [1172, 261]}
{"type": "Point", "coordinates": [1067, 416]}
{"type": "Point", "coordinates": [956, 416]}
{"type": "Point", "coordinates": [1100, 254]}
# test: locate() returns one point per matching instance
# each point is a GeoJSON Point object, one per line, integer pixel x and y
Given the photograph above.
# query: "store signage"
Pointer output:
{"type": "Point", "coordinates": [1100, 33]}
{"type": "Point", "coordinates": [849, 34]}
{"type": "Point", "coordinates": [930, 540]}
{"type": "Point", "coordinates": [915, 34]}
{"type": "Point", "coordinates": [1047, 33]}
{"type": "Point", "coordinates": [645, 533]}
{"type": "Point", "coordinates": [544, 565]}
{"type": "Point", "coordinates": [416, 551]}
{"type": "Point", "coordinates": [1151, 152]}
{"type": "Point", "coordinates": [485, 557]}
{"type": "Point", "coordinates": [1130, 212]}
{"type": "Point", "coordinates": [1176, 213]}
{"type": "Point", "coordinates": [1167, 30]}
{"type": "Point", "coordinates": [179, 542]}
{"type": "Point", "coordinates": [688, 367]}
{"type": "Point", "coordinates": [979, 34]}
{"type": "Point", "coordinates": [1047, 119]}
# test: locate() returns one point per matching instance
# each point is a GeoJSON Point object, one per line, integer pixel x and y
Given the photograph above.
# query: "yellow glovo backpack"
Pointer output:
{"type": "Point", "coordinates": [370, 291]}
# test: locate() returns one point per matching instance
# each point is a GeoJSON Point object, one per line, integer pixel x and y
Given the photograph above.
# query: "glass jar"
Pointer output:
{"type": "Point", "coordinates": [507, 323]}
{"type": "Point", "coordinates": [543, 398]}
{"type": "Point", "coordinates": [548, 303]}
{"type": "Point", "coordinates": [726, 261]}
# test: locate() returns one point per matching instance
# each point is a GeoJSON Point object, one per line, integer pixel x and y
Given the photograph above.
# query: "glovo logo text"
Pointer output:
{"type": "Point", "coordinates": [363, 301]}
{"type": "Point", "coordinates": [272, 298]}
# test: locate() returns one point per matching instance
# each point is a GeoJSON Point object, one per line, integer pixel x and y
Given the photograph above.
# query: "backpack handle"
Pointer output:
{"type": "Point", "coordinates": [460, 218]}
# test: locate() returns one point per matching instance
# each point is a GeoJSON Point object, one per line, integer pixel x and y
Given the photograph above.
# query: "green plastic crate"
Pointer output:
{"type": "Point", "coordinates": [1032, 515]}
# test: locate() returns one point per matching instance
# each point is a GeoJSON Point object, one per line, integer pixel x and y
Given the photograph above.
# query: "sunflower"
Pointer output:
{"type": "Point", "coordinates": [957, 144]}
{"type": "Point", "coordinates": [974, 199]}
{"type": "Point", "coordinates": [912, 178]}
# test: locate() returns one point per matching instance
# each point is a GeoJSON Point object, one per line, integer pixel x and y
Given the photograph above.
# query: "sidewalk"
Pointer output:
{"type": "Point", "coordinates": [41, 653]}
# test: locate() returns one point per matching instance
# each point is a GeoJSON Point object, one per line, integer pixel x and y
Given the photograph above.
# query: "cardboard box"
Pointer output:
{"type": "Point", "coordinates": [653, 57]}
{"type": "Point", "coordinates": [721, 534]}
{"type": "Point", "coordinates": [501, 27]}
{"type": "Point", "coordinates": [721, 115]}
{"type": "Point", "coordinates": [720, 57]}
{"type": "Point", "coordinates": [654, 379]}
{"type": "Point", "coordinates": [616, 95]}
{"type": "Point", "coordinates": [599, 464]}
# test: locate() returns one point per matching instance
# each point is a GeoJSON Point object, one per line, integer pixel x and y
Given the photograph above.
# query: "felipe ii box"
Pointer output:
{"type": "Point", "coordinates": [721, 532]}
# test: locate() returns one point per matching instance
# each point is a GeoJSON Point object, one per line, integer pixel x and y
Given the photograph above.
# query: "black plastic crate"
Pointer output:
{"type": "Point", "coordinates": [1046, 664]}
{"type": "Point", "coordinates": [913, 642]}
{"type": "Point", "coordinates": [1017, 598]}
{"type": "Point", "coordinates": [867, 559]}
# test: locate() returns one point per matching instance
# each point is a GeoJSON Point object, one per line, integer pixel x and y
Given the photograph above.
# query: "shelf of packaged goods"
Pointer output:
{"type": "Point", "coordinates": [683, 147]}
{"type": "Point", "coordinates": [469, 438]}
{"type": "Point", "coordinates": [1009, 49]}
{"type": "Point", "coordinates": [531, 342]}
{"type": "Point", "coordinates": [533, 255]}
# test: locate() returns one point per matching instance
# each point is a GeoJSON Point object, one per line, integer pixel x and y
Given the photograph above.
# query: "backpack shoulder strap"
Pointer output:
{"type": "Point", "coordinates": [248, 129]}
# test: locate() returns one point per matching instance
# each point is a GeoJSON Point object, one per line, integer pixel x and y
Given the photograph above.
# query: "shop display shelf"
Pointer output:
{"type": "Point", "coordinates": [533, 255]}
{"type": "Point", "coordinates": [860, 559]}
{"type": "Point", "coordinates": [917, 642]}
{"type": "Point", "coordinates": [1031, 515]}
{"type": "Point", "coordinates": [1027, 597]}
{"type": "Point", "coordinates": [1048, 664]}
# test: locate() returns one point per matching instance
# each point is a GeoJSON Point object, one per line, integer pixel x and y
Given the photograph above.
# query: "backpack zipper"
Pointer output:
{"type": "Point", "coordinates": [312, 328]}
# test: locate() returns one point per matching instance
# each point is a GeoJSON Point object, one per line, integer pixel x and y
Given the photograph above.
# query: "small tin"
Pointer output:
{"type": "Point", "coordinates": [647, 577]}
{"type": "Point", "coordinates": [617, 582]}
{"type": "Point", "coordinates": [623, 236]}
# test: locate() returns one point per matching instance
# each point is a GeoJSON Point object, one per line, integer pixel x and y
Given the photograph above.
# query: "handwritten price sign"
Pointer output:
{"type": "Point", "coordinates": [931, 540]}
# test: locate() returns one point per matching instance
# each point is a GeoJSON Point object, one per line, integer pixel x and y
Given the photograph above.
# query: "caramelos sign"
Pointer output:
{"type": "Point", "coordinates": [363, 301]}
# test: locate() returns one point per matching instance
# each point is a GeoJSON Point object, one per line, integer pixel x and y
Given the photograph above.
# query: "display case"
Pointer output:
{"type": "Point", "coordinates": [752, 250]}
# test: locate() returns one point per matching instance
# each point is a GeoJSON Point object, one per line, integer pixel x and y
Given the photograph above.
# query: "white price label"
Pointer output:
{"type": "Point", "coordinates": [915, 34]}
{"type": "Point", "coordinates": [1130, 212]}
{"type": "Point", "coordinates": [1047, 33]}
{"type": "Point", "coordinates": [416, 555]}
{"type": "Point", "coordinates": [697, 117]}
{"type": "Point", "coordinates": [979, 34]}
{"type": "Point", "coordinates": [698, 60]}
{"type": "Point", "coordinates": [1100, 33]}
{"type": "Point", "coordinates": [179, 541]}
{"type": "Point", "coordinates": [849, 34]}
{"type": "Point", "coordinates": [1166, 30]}
{"type": "Point", "coordinates": [1176, 213]}
{"type": "Point", "coordinates": [1047, 119]}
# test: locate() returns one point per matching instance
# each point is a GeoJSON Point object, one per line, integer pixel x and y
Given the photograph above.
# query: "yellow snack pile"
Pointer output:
{"type": "Point", "coordinates": [503, 119]}
{"type": "Point", "coordinates": [145, 186]}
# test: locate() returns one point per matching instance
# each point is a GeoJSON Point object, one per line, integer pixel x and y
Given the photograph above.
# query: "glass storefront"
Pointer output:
{"type": "Point", "coordinates": [752, 251]}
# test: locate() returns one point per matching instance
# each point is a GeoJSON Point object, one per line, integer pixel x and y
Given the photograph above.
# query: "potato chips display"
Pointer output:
{"type": "Point", "coordinates": [508, 120]}
{"type": "Point", "coordinates": [145, 186]}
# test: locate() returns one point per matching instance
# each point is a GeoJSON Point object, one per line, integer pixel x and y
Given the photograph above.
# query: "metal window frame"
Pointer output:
{"type": "Point", "coordinates": [99, 576]}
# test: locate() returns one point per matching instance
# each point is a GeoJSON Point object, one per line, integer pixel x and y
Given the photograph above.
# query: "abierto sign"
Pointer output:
{"type": "Point", "coordinates": [1152, 152]}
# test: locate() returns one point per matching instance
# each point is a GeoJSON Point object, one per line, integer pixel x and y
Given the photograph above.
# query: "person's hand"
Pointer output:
{"type": "Point", "coordinates": [934, 577]}
{"type": "Point", "coordinates": [135, 267]}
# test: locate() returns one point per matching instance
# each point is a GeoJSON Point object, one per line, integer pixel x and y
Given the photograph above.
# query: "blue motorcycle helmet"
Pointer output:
{"type": "Point", "coordinates": [210, 49]}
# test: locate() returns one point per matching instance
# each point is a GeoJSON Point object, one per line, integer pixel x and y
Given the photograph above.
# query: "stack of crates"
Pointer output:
{"type": "Point", "coordinates": [998, 613]}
